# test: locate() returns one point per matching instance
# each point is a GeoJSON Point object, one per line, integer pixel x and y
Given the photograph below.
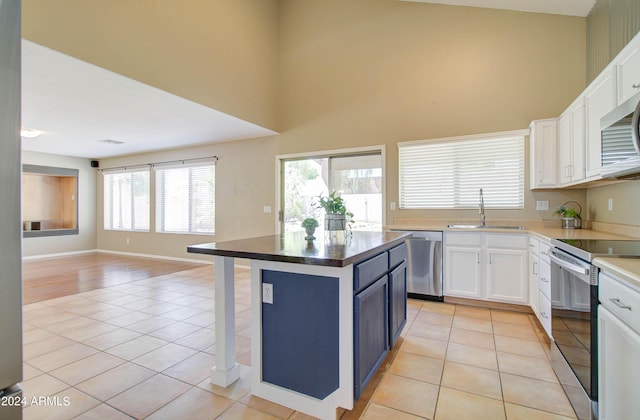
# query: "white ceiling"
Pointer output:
{"type": "Point", "coordinates": [556, 7]}
{"type": "Point", "coordinates": [76, 105]}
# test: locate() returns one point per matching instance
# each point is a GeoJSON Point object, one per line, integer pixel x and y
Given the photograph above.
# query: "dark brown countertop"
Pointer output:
{"type": "Point", "coordinates": [293, 248]}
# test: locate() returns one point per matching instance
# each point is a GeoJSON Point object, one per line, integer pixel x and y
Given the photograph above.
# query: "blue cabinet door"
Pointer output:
{"type": "Point", "coordinates": [397, 302]}
{"type": "Point", "coordinates": [371, 330]}
{"type": "Point", "coordinates": [300, 333]}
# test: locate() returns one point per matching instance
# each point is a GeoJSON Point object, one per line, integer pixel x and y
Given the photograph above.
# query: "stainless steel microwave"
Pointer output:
{"type": "Point", "coordinates": [621, 140]}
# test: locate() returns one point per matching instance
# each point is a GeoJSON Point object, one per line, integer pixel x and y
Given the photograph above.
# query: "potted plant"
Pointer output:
{"type": "Point", "coordinates": [571, 218]}
{"type": "Point", "coordinates": [336, 211]}
{"type": "Point", "coordinates": [310, 224]}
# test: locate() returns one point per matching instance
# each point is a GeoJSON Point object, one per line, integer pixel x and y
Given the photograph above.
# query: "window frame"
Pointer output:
{"type": "Point", "coordinates": [160, 170]}
{"type": "Point", "coordinates": [131, 171]}
{"type": "Point", "coordinates": [451, 145]}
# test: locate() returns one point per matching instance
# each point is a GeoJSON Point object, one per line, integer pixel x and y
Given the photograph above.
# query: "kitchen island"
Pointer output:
{"type": "Point", "coordinates": [324, 314]}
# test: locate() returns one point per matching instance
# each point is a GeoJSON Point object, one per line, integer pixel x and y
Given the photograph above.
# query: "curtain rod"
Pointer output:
{"type": "Point", "coordinates": [152, 164]}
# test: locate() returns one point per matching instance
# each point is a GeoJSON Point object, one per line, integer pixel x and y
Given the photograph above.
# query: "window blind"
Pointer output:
{"type": "Point", "coordinates": [126, 200]}
{"type": "Point", "coordinates": [449, 174]}
{"type": "Point", "coordinates": [185, 198]}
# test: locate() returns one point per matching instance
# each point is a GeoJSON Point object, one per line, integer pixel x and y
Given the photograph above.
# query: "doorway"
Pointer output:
{"type": "Point", "coordinates": [356, 176]}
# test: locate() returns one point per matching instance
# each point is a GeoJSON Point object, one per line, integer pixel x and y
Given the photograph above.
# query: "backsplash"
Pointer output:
{"type": "Point", "coordinates": [625, 198]}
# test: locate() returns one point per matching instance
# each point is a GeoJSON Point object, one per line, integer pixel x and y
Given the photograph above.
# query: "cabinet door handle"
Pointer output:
{"type": "Point", "coordinates": [535, 266]}
{"type": "Point", "coordinates": [619, 304]}
{"type": "Point", "coordinates": [544, 280]}
{"type": "Point", "coordinates": [478, 258]}
{"type": "Point", "coordinates": [544, 315]}
{"type": "Point", "coordinates": [636, 85]}
{"type": "Point", "coordinates": [540, 175]}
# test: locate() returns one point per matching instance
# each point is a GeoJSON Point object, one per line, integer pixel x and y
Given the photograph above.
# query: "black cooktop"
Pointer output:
{"type": "Point", "coordinates": [591, 248]}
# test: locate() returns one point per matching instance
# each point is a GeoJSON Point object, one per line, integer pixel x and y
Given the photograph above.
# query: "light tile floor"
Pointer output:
{"type": "Point", "coordinates": [143, 349]}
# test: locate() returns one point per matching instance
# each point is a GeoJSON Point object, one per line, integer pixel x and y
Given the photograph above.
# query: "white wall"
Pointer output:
{"type": "Point", "coordinates": [86, 238]}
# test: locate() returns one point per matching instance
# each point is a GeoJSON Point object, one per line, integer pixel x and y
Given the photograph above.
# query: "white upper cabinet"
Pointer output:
{"type": "Point", "coordinates": [628, 71]}
{"type": "Point", "coordinates": [579, 144]}
{"type": "Point", "coordinates": [600, 99]}
{"type": "Point", "coordinates": [543, 153]}
{"type": "Point", "coordinates": [571, 143]}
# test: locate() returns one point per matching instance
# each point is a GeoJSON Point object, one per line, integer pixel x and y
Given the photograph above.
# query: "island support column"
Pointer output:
{"type": "Point", "coordinates": [226, 371]}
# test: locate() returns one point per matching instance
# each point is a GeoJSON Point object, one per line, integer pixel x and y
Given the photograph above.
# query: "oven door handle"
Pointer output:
{"type": "Point", "coordinates": [575, 268]}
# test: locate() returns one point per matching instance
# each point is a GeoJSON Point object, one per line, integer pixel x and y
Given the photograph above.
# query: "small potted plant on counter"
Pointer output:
{"type": "Point", "coordinates": [336, 212]}
{"type": "Point", "coordinates": [310, 224]}
{"type": "Point", "coordinates": [571, 217]}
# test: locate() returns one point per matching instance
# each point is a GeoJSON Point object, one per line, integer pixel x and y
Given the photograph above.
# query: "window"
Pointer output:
{"type": "Point", "coordinates": [357, 176]}
{"type": "Point", "coordinates": [448, 174]}
{"type": "Point", "coordinates": [185, 198]}
{"type": "Point", "coordinates": [126, 200]}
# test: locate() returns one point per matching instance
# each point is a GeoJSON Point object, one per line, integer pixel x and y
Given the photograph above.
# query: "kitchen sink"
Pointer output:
{"type": "Point", "coordinates": [486, 227]}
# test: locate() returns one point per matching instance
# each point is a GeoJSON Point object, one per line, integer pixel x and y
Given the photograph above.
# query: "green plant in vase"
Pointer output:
{"type": "Point", "coordinates": [336, 211]}
{"type": "Point", "coordinates": [310, 224]}
{"type": "Point", "coordinates": [571, 218]}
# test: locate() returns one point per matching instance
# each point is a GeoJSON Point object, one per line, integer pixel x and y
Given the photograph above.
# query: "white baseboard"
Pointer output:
{"type": "Point", "coordinates": [158, 257]}
{"type": "Point", "coordinates": [59, 254]}
{"type": "Point", "coordinates": [131, 254]}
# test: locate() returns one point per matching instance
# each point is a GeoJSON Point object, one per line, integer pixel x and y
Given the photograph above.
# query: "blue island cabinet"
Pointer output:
{"type": "Point", "coordinates": [380, 311]}
{"type": "Point", "coordinates": [323, 315]}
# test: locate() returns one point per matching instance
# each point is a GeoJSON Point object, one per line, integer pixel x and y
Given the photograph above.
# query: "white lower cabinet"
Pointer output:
{"type": "Point", "coordinates": [618, 348]}
{"type": "Point", "coordinates": [507, 275]}
{"type": "Point", "coordinates": [463, 276]}
{"type": "Point", "coordinates": [487, 266]}
{"type": "Point", "coordinates": [540, 281]}
{"type": "Point", "coordinates": [544, 312]}
{"type": "Point", "coordinates": [534, 270]}
{"type": "Point", "coordinates": [618, 368]}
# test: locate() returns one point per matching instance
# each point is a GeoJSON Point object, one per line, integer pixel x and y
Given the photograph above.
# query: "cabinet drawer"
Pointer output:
{"type": "Point", "coordinates": [533, 245]}
{"type": "Point", "coordinates": [543, 250]}
{"type": "Point", "coordinates": [498, 240]}
{"type": "Point", "coordinates": [544, 278]}
{"type": "Point", "coordinates": [622, 301]}
{"type": "Point", "coordinates": [464, 239]}
{"type": "Point", "coordinates": [544, 313]}
{"type": "Point", "coordinates": [397, 255]}
{"type": "Point", "coordinates": [369, 271]}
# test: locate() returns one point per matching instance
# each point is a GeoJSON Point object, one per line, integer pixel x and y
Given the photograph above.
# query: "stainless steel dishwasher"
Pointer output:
{"type": "Point", "coordinates": [424, 268]}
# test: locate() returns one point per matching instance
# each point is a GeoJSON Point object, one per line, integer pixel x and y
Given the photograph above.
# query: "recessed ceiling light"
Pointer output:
{"type": "Point", "coordinates": [29, 133]}
{"type": "Point", "coordinates": [109, 141]}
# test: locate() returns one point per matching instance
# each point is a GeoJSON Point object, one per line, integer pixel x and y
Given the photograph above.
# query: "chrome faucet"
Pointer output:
{"type": "Point", "coordinates": [481, 209]}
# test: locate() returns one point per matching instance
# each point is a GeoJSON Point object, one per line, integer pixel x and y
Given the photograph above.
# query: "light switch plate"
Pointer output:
{"type": "Point", "coordinates": [267, 293]}
{"type": "Point", "coordinates": [266, 209]}
{"type": "Point", "coordinates": [542, 205]}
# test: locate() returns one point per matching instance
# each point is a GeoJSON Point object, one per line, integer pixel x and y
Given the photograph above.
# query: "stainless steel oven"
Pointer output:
{"type": "Point", "coordinates": [574, 305]}
{"type": "Point", "coordinates": [574, 311]}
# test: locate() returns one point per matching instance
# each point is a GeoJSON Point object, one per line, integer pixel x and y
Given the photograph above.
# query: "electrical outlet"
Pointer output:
{"type": "Point", "coordinates": [267, 293]}
{"type": "Point", "coordinates": [266, 209]}
{"type": "Point", "coordinates": [610, 204]}
{"type": "Point", "coordinates": [127, 241]}
{"type": "Point", "coordinates": [542, 205]}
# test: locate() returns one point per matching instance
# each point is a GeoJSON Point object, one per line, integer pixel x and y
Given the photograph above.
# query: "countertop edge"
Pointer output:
{"type": "Point", "coordinates": [327, 262]}
{"type": "Point", "coordinates": [626, 269]}
{"type": "Point", "coordinates": [545, 233]}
